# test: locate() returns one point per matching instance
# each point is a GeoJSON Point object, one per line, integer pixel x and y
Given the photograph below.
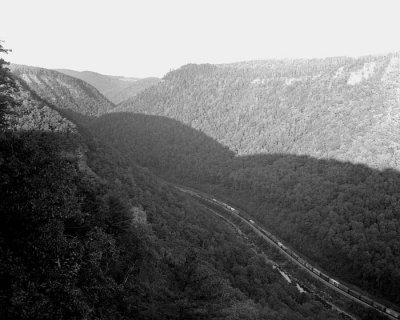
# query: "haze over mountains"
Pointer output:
{"type": "Point", "coordinates": [114, 88]}
{"type": "Point", "coordinates": [303, 145]}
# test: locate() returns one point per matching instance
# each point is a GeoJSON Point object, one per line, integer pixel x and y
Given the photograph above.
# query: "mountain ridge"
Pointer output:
{"type": "Point", "coordinates": [69, 95]}
{"type": "Point", "coordinates": [316, 113]}
{"type": "Point", "coordinates": [115, 88]}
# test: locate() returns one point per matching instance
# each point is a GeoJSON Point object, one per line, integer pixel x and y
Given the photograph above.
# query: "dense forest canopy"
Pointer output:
{"type": "Point", "coordinates": [86, 233]}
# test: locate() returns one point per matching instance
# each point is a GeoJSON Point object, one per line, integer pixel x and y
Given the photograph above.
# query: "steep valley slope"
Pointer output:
{"type": "Point", "coordinates": [65, 92]}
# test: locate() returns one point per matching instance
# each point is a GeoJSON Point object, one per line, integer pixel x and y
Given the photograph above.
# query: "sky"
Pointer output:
{"type": "Point", "coordinates": [150, 37]}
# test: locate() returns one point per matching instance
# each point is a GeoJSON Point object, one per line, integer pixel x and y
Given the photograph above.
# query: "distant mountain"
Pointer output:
{"type": "Point", "coordinates": [71, 96]}
{"type": "Point", "coordinates": [115, 88]}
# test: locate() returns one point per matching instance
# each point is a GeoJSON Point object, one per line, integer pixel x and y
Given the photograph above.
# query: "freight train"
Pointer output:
{"type": "Point", "coordinates": [326, 278]}
{"type": "Point", "coordinates": [323, 276]}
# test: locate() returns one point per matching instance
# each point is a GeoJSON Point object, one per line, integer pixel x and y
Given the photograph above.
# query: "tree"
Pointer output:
{"type": "Point", "coordinates": [7, 86]}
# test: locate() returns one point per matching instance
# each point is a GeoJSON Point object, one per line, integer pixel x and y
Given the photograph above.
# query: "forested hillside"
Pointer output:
{"type": "Point", "coordinates": [69, 94]}
{"type": "Point", "coordinates": [311, 148]}
{"type": "Point", "coordinates": [86, 234]}
{"type": "Point", "coordinates": [339, 108]}
{"type": "Point", "coordinates": [116, 89]}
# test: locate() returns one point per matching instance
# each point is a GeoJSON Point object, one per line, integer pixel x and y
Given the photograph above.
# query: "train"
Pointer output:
{"type": "Point", "coordinates": [323, 276]}
{"type": "Point", "coordinates": [317, 272]}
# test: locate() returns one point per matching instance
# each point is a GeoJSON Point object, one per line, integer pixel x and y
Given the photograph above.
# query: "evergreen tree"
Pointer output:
{"type": "Point", "coordinates": [7, 86]}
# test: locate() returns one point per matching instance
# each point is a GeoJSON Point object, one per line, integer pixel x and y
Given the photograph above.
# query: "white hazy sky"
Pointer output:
{"type": "Point", "coordinates": [150, 37]}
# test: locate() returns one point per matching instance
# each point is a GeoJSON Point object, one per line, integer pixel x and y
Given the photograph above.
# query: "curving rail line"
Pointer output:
{"type": "Point", "coordinates": [293, 256]}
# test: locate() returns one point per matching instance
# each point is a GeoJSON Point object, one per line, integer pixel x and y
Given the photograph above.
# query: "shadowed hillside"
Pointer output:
{"type": "Point", "coordinates": [163, 144]}
{"type": "Point", "coordinates": [343, 216]}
